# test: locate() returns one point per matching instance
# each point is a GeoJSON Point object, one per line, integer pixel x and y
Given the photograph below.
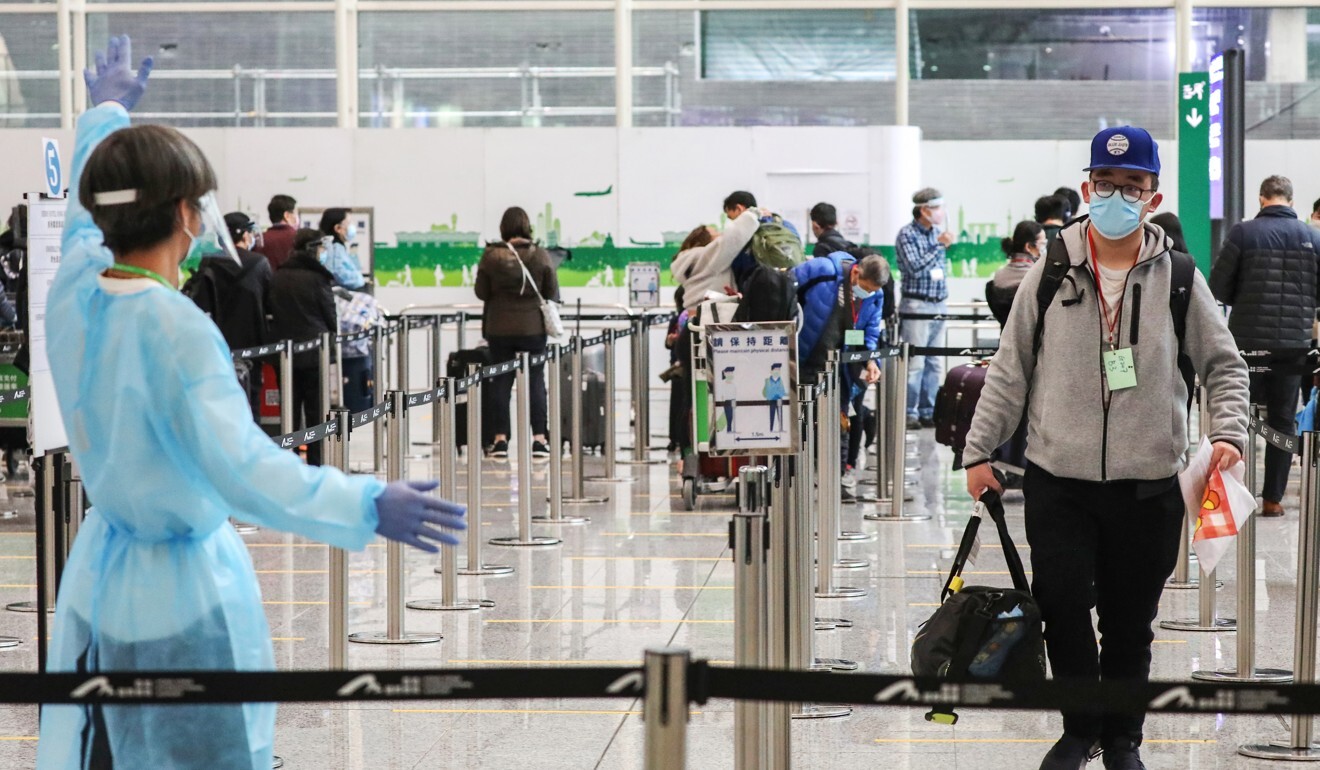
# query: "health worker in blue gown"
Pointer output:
{"type": "Point", "coordinates": [158, 579]}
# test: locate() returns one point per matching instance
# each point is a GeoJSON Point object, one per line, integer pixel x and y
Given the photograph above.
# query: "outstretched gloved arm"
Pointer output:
{"type": "Point", "coordinates": [408, 514]}
{"type": "Point", "coordinates": [113, 80]}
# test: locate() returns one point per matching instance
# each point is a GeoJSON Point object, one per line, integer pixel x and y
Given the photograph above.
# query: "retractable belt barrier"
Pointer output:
{"type": "Point", "coordinates": [858, 356]}
{"type": "Point", "coordinates": [10, 396]}
{"type": "Point", "coordinates": [308, 436]}
{"type": "Point", "coordinates": [591, 342]}
{"type": "Point", "coordinates": [945, 317]}
{"type": "Point", "coordinates": [705, 682]}
{"type": "Point", "coordinates": [916, 350]}
{"type": "Point", "coordinates": [1276, 438]}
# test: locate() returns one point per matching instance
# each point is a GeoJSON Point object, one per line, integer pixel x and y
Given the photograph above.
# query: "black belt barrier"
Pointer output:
{"type": "Point", "coordinates": [970, 352]}
{"type": "Point", "coordinates": [495, 370]}
{"type": "Point", "coordinates": [857, 356]}
{"type": "Point", "coordinates": [424, 397]}
{"type": "Point", "coordinates": [705, 682]}
{"type": "Point", "coordinates": [10, 396]}
{"type": "Point", "coordinates": [591, 342]}
{"type": "Point", "coordinates": [261, 351]}
{"type": "Point", "coordinates": [1276, 438]}
{"type": "Point", "coordinates": [355, 336]}
{"type": "Point", "coordinates": [308, 435]}
{"type": "Point", "coordinates": [945, 317]}
{"type": "Point", "coordinates": [368, 416]}
{"type": "Point", "coordinates": [303, 347]}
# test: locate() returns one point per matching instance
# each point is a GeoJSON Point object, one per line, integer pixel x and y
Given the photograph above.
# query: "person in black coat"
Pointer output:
{"type": "Point", "coordinates": [302, 308]}
{"type": "Point", "coordinates": [824, 225]}
{"type": "Point", "coordinates": [234, 295]}
{"type": "Point", "coordinates": [1269, 272]}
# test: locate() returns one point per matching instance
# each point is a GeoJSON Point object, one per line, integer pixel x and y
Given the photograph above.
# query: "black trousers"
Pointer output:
{"type": "Point", "coordinates": [495, 405]}
{"type": "Point", "coordinates": [357, 377]}
{"type": "Point", "coordinates": [307, 408]}
{"type": "Point", "coordinates": [1278, 394]}
{"type": "Point", "coordinates": [1110, 546]}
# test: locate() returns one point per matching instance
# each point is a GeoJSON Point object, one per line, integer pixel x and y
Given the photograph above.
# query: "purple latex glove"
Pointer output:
{"type": "Point", "coordinates": [113, 80]}
{"type": "Point", "coordinates": [408, 514]}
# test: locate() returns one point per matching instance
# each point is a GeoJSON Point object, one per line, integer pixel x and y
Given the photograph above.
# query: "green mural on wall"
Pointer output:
{"type": "Point", "coordinates": [447, 256]}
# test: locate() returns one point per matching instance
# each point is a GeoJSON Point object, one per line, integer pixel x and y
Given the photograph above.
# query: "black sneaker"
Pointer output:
{"type": "Point", "coordinates": [913, 423]}
{"type": "Point", "coordinates": [1122, 754]}
{"type": "Point", "coordinates": [927, 422]}
{"type": "Point", "coordinates": [540, 449]}
{"type": "Point", "coordinates": [499, 449]}
{"type": "Point", "coordinates": [1068, 753]}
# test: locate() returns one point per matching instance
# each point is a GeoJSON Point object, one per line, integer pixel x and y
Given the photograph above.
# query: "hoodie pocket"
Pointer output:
{"type": "Point", "coordinates": [1135, 324]}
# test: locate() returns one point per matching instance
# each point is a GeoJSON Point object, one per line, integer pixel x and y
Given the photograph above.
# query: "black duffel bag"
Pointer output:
{"type": "Point", "coordinates": [981, 633]}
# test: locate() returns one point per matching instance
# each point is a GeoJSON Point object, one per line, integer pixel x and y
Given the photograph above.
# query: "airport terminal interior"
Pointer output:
{"type": "Point", "coordinates": [438, 176]}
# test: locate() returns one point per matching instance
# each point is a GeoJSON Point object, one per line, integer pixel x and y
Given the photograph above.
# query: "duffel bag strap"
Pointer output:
{"type": "Point", "coordinates": [964, 553]}
{"type": "Point", "coordinates": [995, 507]}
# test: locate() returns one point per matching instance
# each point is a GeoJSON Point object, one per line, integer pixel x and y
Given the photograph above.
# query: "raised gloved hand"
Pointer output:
{"type": "Point", "coordinates": [113, 80]}
{"type": "Point", "coordinates": [408, 514]}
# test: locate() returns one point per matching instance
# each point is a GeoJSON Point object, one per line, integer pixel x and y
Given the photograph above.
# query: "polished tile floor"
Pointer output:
{"type": "Point", "coordinates": [642, 573]}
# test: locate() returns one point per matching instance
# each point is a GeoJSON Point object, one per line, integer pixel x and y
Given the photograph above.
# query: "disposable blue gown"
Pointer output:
{"type": "Point", "coordinates": [158, 579]}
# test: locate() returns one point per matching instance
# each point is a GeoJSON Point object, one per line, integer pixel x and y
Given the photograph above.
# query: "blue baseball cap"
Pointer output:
{"type": "Point", "coordinates": [1125, 147]}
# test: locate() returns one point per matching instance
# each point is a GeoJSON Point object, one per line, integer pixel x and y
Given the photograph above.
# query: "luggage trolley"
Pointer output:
{"type": "Point", "coordinates": [706, 472]}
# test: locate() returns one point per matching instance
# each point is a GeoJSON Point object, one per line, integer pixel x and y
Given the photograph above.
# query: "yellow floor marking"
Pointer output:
{"type": "Point", "coordinates": [724, 535]}
{"type": "Point", "coordinates": [17, 534]}
{"type": "Point", "coordinates": [316, 571]}
{"type": "Point", "coordinates": [641, 588]}
{"type": "Point", "coordinates": [598, 620]}
{"type": "Point", "coordinates": [1193, 741]}
{"type": "Point", "coordinates": [19, 557]}
{"type": "Point", "coordinates": [571, 712]}
{"type": "Point", "coordinates": [645, 558]}
{"type": "Point", "coordinates": [287, 639]}
{"type": "Point", "coordinates": [356, 604]}
{"type": "Point", "coordinates": [18, 737]}
{"type": "Point", "coordinates": [18, 585]}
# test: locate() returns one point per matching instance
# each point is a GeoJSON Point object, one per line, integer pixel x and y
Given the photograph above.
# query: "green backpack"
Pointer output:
{"type": "Point", "coordinates": [774, 245]}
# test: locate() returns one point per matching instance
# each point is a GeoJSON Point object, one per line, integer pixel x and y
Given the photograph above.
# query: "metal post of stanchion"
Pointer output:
{"type": "Point", "coordinates": [379, 376]}
{"type": "Point", "coordinates": [324, 353]}
{"type": "Point", "coordinates": [610, 448]}
{"type": "Point", "coordinates": [47, 564]}
{"type": "Point", "coordinates": [336, 456]}
{"type": "Point", "coordinates": [523, 430]}
{"type": "Point", "coordinates": [897, 434]}
{"type": "Point", "coordinates": [447, 446]}
{"type": "Point", "coordinates": [394, 601]}
{"type": "Point", "coordinates": [830, 479]}
{"type": "Point", "coordinates": [555, 436]}
{"type": "Point", "coordinates": [639, 350]}
{"type": "Point", "coordinates": [475, 566]}
{"type": "Point", "coordinates": [438, 374]}
{"type": "Point", "coordinates": [1246, 669]}
{"type": "Point", "coordinates": [286, 387]}
{"type": "Point", "coordinates": [337, 393]}
{"type": "Point", "coordinates": [804, 482]}
{"type": "Point", "coordinates": [578, 384]}
{"type": "Point", "coordinates": [749, 612]}
{"type": "Point", "coordinates": [827, 490]}
{"type": "Point", "coordinates": [1300, 747]}
{"type": "Point", "coordinates": [665, 708]}
{"type": "Point", "coordinates": [461, 330]}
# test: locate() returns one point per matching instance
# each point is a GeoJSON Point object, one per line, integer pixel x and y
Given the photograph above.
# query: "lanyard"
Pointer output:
{"type": "Point", "coordinates": [1100, 292]}
{"type": "Point", "coordinates": [142, 271]}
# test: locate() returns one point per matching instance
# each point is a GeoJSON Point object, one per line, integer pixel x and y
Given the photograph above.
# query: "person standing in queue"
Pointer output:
{"type": "Point", "coordinates": [921, 245]}
{"type": "Point", "coordinates": [1103, 378]}
{"type": "Point", "coordinates": [277, 242]}
{"type": "Point", "coordinates": [513, 277]}
{"type": "Point", "coordinates": [340, 233]}
{"type": "Point", "coordinates": [157, 578]}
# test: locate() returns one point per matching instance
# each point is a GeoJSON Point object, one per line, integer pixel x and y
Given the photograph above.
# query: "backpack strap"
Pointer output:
{"type": "Point", "coordinates": [1182, 275]}
{"type": "Point", "coordinates": [809, 285]}
{"type": "Point", "coordinates": [1057, 265]}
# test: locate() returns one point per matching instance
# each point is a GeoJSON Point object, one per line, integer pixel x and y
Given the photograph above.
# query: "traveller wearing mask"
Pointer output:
{"type": "Point", "coordinates": [1106, 404]}
{"type": "Point", "coordinates": [277, 242]}
{"type": "Point", "coordinates": [303, 308]}
{"type": "Point", "coordinates": [335, 225]}
{"type": "Point", "coordinates": [1027, 245]}
{"type": "Point", "coordinates": [1268, 272]}
{"type": "Point", "coordinates": [158, 580]}
{"type": "Point", "coordinates": [923, 260]}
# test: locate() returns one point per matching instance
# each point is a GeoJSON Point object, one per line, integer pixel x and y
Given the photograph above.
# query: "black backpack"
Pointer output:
{"type": "Point", "coordinates": [966, 639]}
{"type": "Point", "coordinates": [1057, 266]}
{"type": "Point", "coordinates": [768, 294]}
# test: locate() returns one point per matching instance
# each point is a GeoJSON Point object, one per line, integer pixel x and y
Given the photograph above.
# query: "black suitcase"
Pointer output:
{"type": "Point", "coordinates": [593, 408]}
{"type": "Point", "coordinates": [457, 366]}
{"type": "Point", "coordinates": [981, 633]}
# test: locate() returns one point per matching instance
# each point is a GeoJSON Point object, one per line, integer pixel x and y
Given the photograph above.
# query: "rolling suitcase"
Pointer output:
{"type": "Point", "coordinates": [457, 366]}
{"type": "Point", "coordinates": [955, 403]}
{"type": "Point", "coordinates": [593, 407]}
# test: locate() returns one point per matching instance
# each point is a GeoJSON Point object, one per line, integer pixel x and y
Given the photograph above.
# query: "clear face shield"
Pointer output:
{"type": "Point", "coordinates": [214, 238]}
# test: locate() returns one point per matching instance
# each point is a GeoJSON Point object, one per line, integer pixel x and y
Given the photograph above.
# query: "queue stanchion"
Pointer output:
{"type": "Point", "coordinates": [1245, 669]}
{"type": "Point", "coordinates": [897, 445]}
{"type": "Point", "coordinates": [394, 578]}
{"type": "Point", "coordinates": [475, 566]}
{"type": "Point", "coordinates": [524, 430]}
{"type": "Point", "coordinates": [804, 482]}
{"type": "Point", "coordinates": [379, 375]}
{"type": "Point", "coordinates": [751, 646]}
{"type": "Point", "coordinates": [447, 446]}
{"type": "Point", "coordinates": [336, 456]}
{"type": "Point", "coordinates": [578, 385]}
{"type": "Point", "coordinates": [460, 330]}
{"type": "Point", "coordinates": [665, 708]}
{"type": "Point", "coordinates": [47, 566]}
{"type": "Point", "coordinates": [554, 372]}
{"type": "Point", "coordinates": [827, 490]}
{"type": "Point", "coordinates": [1300, 746]}
{"type": "Point", "coordinates": [884, 464]}
{"type": "Point", "coordinates": [834, 478]}
{"type": "Point", "coordinates": [324, 350]}
{"type": "Point", "coordinates": [609, 447]}
{"type": "Point", "coordinates": [639, 350]}
{"type": "Point", "coordinates": [437, 375]}
{"type": "Point", "coordinates": [337, 392]}
{"type": "Point", "coordinates": [286, 387]}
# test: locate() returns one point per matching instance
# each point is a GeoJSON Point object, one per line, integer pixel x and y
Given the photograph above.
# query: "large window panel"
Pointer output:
{"type": "Point", "coordinates": [1041, 74]}
{"type": "Point", "coordinates": [29, 71]}
{"type": "Point", "coordinates": [228, 69]}
{"type": "Point", "coordinates": [486, 68]}
{"type": "Point", "coordinates": [830, 46]}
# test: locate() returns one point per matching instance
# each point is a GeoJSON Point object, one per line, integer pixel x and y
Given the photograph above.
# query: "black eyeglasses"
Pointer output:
{"type": "Point", "coordinates": [1130, 192]}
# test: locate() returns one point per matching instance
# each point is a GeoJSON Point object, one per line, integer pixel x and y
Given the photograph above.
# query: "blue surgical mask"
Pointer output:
{"type": "Point", "coordinates": [352, 233]}
{"type": "Point", "coordinates": [861, 293]}
{"type": "Point", "coordinates": [1114, 217]}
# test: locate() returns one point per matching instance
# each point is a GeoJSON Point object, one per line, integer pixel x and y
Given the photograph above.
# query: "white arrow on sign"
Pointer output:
{"type": "Point", "coordinates": [1194, 118]}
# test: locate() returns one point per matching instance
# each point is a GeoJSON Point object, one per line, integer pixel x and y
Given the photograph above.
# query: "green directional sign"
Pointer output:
{"type": "Point", "coordinates": [1194, 164]}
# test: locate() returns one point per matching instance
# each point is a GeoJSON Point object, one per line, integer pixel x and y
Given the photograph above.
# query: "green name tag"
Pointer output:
{"type": "Point", "coordinates": [1120, 369]}
{"type": "Point", "coordinates": [854, 337]}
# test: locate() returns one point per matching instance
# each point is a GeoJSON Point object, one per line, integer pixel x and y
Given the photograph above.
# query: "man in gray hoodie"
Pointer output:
{"type": "Point", "coordinates": [1106, 408]}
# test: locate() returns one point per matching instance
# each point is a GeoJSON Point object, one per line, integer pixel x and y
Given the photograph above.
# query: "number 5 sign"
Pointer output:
{"type": "Point", "coordinates": [50, 165]}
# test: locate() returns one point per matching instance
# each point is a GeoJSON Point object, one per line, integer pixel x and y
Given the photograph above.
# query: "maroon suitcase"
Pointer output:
{"type": "Point", "coordinates": [956, 403]}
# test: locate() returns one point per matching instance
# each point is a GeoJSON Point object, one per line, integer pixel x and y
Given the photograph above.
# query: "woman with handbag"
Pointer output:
{"type": "Point", "coordinates": [519, 287]}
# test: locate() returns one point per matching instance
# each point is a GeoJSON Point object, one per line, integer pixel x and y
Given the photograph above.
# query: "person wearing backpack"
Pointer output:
{"type": "Point", "coordinates": [1101, 364]}
{"type": "Point", "coordinates": [921, 246]}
